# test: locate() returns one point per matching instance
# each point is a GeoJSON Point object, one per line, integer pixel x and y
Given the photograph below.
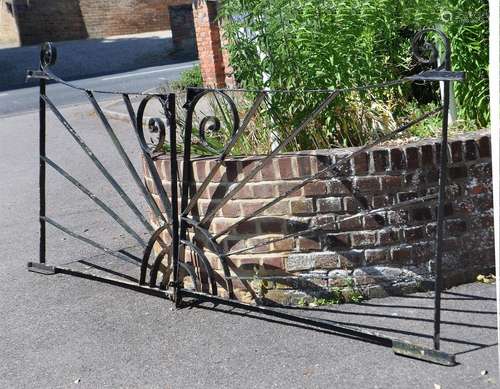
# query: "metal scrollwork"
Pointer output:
{"type": "Point", "coordinates": [48, 55]}
{"type": "Point", "coordinates": [156, 126]}
{"type": "Point", "coordinates": [426, 51]}
{"type": "Point", "coordinates": [210, 124]}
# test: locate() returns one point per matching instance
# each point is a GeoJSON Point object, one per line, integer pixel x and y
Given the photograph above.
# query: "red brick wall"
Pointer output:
{"type": "Point", "coordinates": [208, 39]}
{"type": "Point", "coordinates": [41, 20]}
{"type": "Point", "coordinates": [388, 252]}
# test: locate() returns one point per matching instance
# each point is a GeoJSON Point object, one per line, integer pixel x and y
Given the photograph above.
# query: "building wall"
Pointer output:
{"type": "Point", "coordinates": [42, 20]}
{"type": "Point", "coordinates": [182, 26]}
{"type": "Point", "coordinates": [214, 60]}
{"type": "Point", "coordinates": [8, 26]}
{"type": "Point", "coordinates": [387, 252]}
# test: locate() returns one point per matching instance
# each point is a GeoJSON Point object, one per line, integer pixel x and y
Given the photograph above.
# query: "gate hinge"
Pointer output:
{"type": "Point", "coordinates": [37, 75]}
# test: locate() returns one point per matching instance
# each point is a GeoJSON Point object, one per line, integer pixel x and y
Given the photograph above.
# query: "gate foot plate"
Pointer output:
{"type": "Point", "coordinates": [426, 354]}
{"type": "Point", "coordinates": [41, 268]}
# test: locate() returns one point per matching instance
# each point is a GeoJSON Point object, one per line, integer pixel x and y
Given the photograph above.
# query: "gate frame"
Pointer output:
{"type": "Point", "coordinates": [177, 222]}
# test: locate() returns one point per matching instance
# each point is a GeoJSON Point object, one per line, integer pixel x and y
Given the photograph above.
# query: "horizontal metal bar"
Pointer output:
{"type": "Point", "coordinates": [107, 280]}
{"type": "Point", "coordinates": [300, 91]}
{"type": "Point", "coordinates": [411, 350]}
{"type": "Point", "coordinates": [399, 347]}
{"type": "Point", "coordinates": [438, 75]}
{"type": "Point", "coordinates": [127, 258]}
{"type": "Point", "coordinates": [51, 76]}
{"type": "Point", "coordinates": [96, 200]}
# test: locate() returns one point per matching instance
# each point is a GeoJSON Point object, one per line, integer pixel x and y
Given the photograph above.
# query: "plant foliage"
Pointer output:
{"type": "Point", "coordinates": [325, 44]}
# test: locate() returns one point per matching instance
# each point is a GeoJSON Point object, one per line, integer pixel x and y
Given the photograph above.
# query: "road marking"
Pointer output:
{"type": "Point", "coordinates": [3, 94]}
{"type": "Point", "coordinates": [150, 72]}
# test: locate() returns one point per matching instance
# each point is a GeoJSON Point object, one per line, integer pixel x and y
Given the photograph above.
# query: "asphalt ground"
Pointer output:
{"type": "Point", "coordinates": [61, 332]}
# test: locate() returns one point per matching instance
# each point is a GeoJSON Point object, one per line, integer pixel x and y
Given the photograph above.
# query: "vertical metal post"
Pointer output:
{"type": "Point", "coordinates": [170, 108]}
{"type": "Point", "coordinates": [42, 171]}
{"type": "Point", "coordinates": [186, 164]}
{"type": "Point", "coordinates": [443, 166]}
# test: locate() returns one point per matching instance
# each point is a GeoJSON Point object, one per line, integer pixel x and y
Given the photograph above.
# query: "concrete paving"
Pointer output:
{"type": "Point", "coordinates": [64, 332]}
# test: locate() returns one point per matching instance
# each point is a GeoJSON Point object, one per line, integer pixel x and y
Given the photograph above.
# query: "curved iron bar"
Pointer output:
{"type": "Point", "coordinates": [206, 264]}
{"type": "Point", "coordinates": [48, 55]}
{"type": "Point", "coordinates": [421, 46]}
{"type": "Point", "coordinates": [220, 160]}
{"type": "Point", "coordinates": [148, 153]}
{"type": "Point", "coordinates": [155, 125]}
{"type": "Point", "coordinates": [147, 253]}
{"type": "Point", "coordinates": [153, 273]}
{"type": "Point", "coordinates": [204, 260]}
{"type": "Point", "coordinates": [158, 260]}
{"type": "Point", "coordinates": [210, 123]}
{"type": "Point", "coordinates": [213, 246]}
{"type": "Point", "coordinates": [189, 268]}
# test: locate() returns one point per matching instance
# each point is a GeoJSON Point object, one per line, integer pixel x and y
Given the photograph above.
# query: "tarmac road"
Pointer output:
{"type": "Point", "coordinates": [129, 63]}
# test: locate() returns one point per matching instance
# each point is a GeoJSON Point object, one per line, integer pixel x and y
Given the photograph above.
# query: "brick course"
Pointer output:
{"type": "Point", "coordinates": [392, 249]}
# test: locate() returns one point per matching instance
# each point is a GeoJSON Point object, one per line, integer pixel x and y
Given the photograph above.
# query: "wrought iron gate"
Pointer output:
{"type": "Point", "coordinates": [187, 232]}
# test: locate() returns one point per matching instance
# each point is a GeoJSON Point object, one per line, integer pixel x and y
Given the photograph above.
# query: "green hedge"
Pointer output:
{"type": "Point", "coordinates": [305, 44]}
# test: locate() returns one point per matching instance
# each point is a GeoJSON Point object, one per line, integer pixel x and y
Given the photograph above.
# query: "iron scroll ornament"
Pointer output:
{"type": "Point", "coordinates": [209, 123]}
{"type": "Point", "coordinates": [426, 52]}
{"type": "Point", "coordinates": [155, 126]}
{"type": "Point", "coordinates": [48, 55]}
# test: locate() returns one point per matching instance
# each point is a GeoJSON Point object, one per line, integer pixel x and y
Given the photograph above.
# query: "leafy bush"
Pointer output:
{"type": "Point", "coordinates": [189, 78]}
{"type": "Point", "coordinates": [309, 44]}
